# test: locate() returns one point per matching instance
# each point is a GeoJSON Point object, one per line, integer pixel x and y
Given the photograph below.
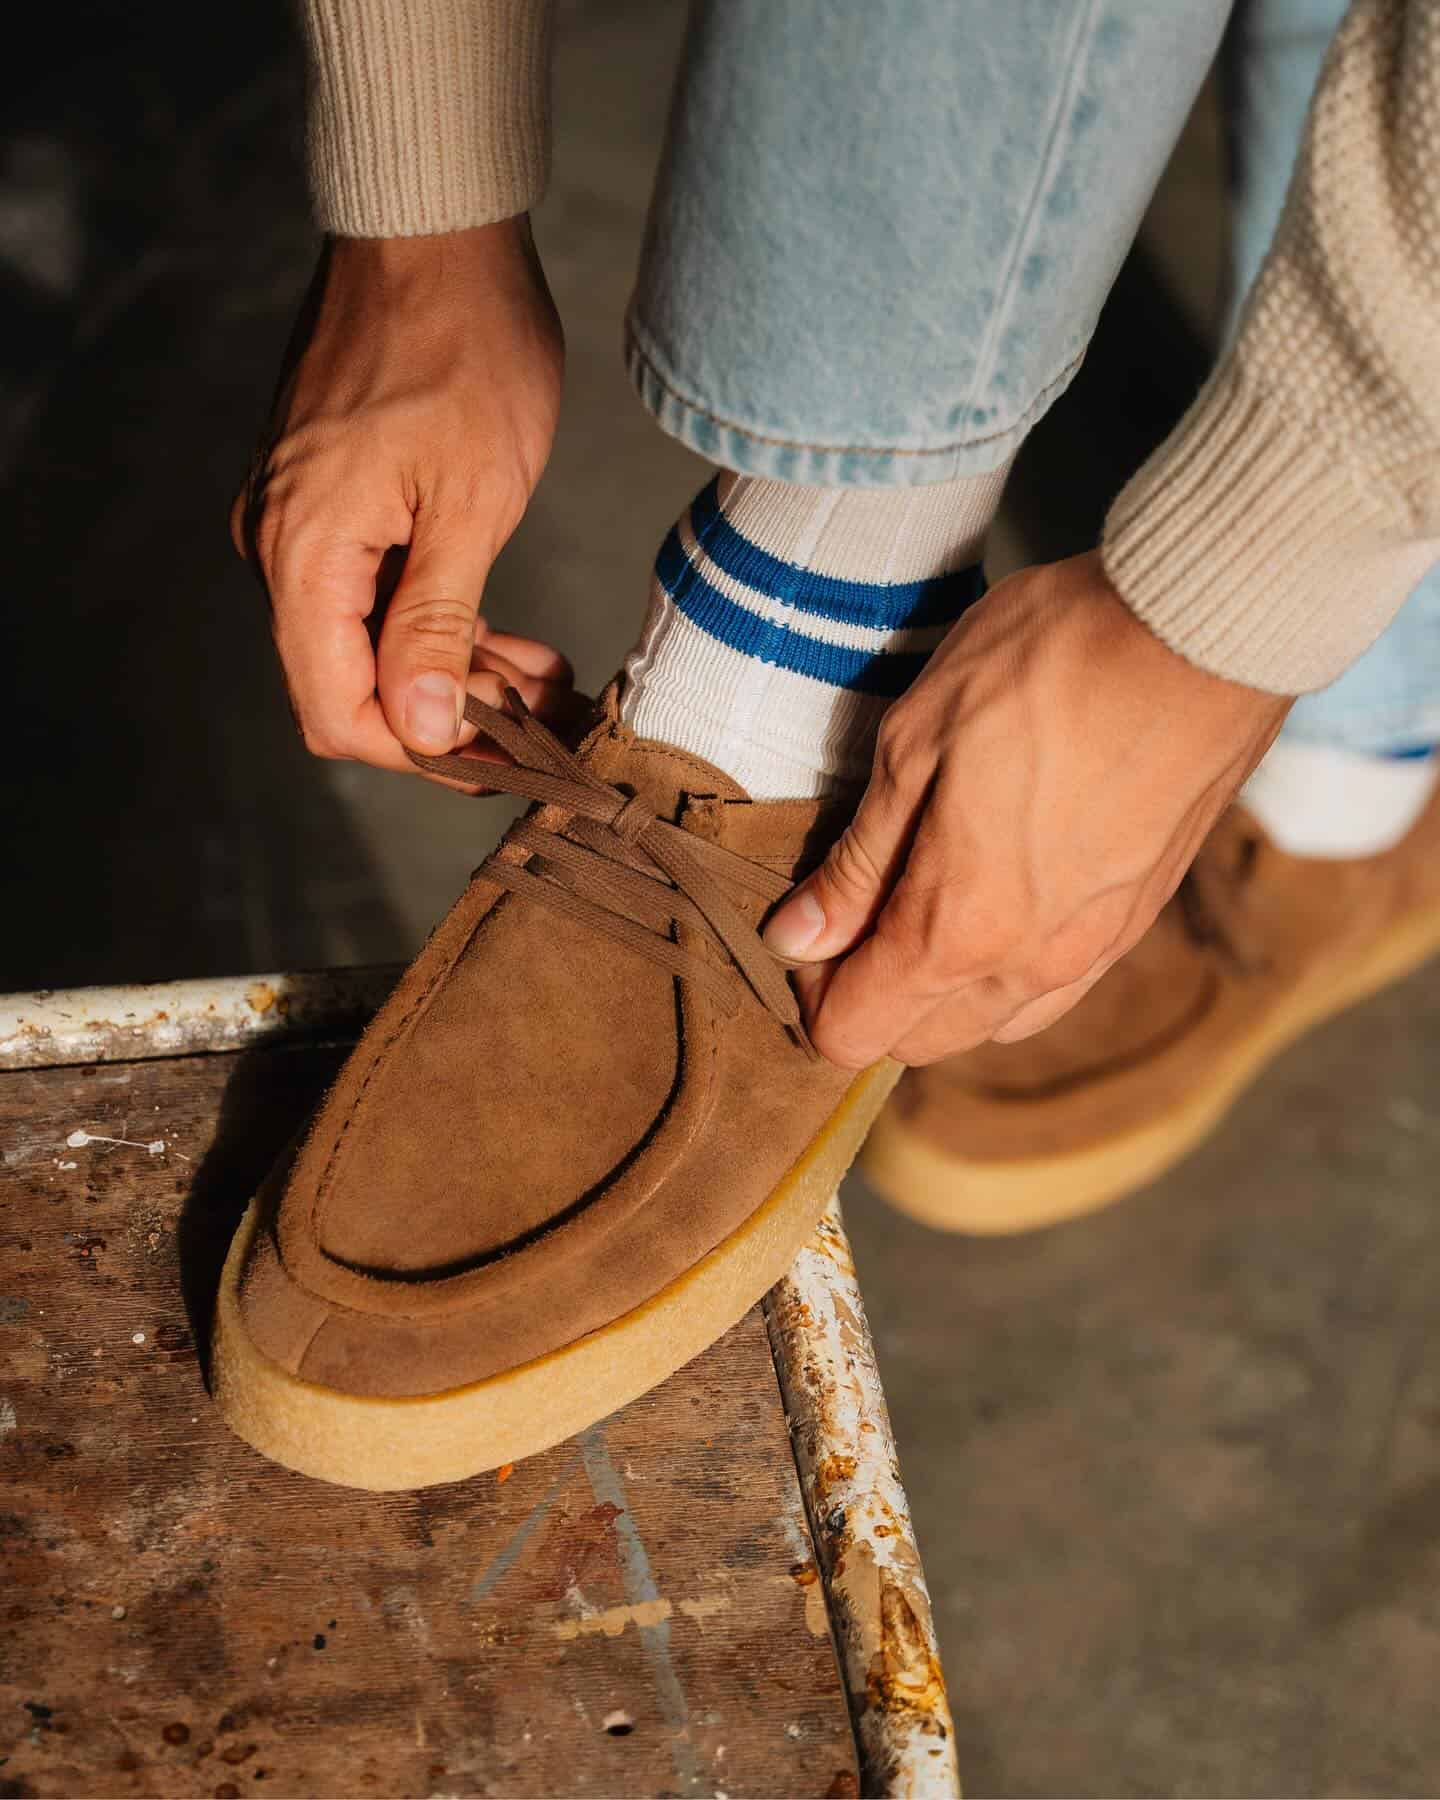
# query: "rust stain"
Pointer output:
{"type": "Point", "coordinates": [872, 1585]}
{"type": "Point", "coordinates": [904, 1675]}
{"type": "Point", "coordinates": [573, 1548]}
{"type": "Point", "coordinates": [835, 1468]}
{"type": "Point", "coordinates": [261, 998]}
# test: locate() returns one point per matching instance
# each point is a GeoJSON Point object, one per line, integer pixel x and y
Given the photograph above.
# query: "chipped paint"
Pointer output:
{"type": "Point", "coordinates": [8, 1421]}
{"type": "Point", "coordinates": [817, 1615]}
{"type": "Point", "coordinates": [608, 1487]}
{"type": "Point", "coordinates": [704, 1607]}
{"type": "Point", "coordinates": [613, 1620]}
{"type": "Point", "coordinates": [77, 1140]}
{"type": "Point", "coordinates": [878, 1603]}
{"type": "Point", "coordinates": [179, 1018]}
{"type": "Point", "coordinates": [870, 1589]}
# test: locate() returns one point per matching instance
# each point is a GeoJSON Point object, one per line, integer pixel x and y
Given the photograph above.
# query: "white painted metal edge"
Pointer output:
{"type": "Point", "coordinates": [182, 1018]}
{"type": "Point", "coordinates": [860, 1522]}
{"type": "Point", "coordinates": [840, 1426]}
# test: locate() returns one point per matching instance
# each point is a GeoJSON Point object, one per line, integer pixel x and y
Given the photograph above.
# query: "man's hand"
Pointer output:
{"type": "Point", "coordinates": [1036, 797]}
{"type": "Point", "coordinates": [413, 420]}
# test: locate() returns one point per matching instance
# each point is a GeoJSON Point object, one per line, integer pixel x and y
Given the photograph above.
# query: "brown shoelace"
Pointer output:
{"type": "Point", "coordinates": [620, 869]}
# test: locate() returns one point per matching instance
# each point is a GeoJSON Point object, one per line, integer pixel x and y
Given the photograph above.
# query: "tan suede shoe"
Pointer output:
{"type": "Point", "coordinates": [1255, 948]}
{"type": "Point", "coordinates": [582, 1138]}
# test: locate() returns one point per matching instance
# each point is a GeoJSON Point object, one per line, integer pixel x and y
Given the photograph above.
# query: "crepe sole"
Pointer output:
{"type": "Point", "coordinates": [386, 1443]}
{"type": "Point", "coordinates": [993, 1199]}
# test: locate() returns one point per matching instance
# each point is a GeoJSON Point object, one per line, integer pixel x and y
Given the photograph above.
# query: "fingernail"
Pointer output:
{"type": "Point", "coordinates": [796, 926]}
{"type": "Point", "coordinates": [432, 712]}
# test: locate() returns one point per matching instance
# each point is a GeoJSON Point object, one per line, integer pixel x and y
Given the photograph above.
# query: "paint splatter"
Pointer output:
{"type": "Point", "coordinates": [77, 1140]}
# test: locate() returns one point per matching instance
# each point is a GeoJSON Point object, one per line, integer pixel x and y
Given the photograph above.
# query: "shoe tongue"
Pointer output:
{"type": "Point", "coordinates": [664, 777]}
{"type": "Point", "coordinates": [790, 836]}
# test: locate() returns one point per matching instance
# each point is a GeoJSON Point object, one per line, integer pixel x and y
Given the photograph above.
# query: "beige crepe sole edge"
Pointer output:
{"type": "Point", "coordinates": [386, 1444]}
{"type": "Point", "coordinates": [995, 1199]}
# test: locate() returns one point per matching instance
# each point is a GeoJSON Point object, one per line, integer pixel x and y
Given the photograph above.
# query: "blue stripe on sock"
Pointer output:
{"type": "Point", "coordinates": [888, 605]}
{"type": "Point", "coordinates": [862, 671]}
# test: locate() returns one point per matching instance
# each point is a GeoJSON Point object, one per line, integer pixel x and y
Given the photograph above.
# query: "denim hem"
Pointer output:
{"type": "Point", "coordinates": [1396, 728]}
{"type": "Point", "coordinates": [740, 447]}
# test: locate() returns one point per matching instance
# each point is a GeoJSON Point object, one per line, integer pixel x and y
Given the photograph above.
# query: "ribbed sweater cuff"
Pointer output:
{"type": "Point", "coordinates": [426, 115]}
{"type": "Point", "coordinates": [1247, 544]}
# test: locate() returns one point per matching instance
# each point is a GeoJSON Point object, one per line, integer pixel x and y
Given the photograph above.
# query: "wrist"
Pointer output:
{"type": "Point", "coordinates": [405, 261]}
{"type": "Point", "coordinates": [1171, 679]}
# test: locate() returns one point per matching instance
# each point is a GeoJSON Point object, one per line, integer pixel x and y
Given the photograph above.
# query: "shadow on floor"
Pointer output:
{"type": "Point", "coordinates": [268, 1098]}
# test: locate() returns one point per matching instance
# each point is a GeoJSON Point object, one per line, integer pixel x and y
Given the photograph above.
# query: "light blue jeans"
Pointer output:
{"type": "Point", "coordinates": [883, 230]}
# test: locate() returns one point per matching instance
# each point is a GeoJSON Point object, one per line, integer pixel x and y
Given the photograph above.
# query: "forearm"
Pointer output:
{"type": "Point", "coordinates": [1280, 527]}
{"type": "Point", "coordinates": [426, 116]}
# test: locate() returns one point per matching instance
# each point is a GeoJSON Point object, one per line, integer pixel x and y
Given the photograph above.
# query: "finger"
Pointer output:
{"type": "Point", "coordinates": [428, 633]}
{"type": "Point", "coordinates": [812, 982]}
{"type": "Point", "coordinates": [543, 697]}
{"type": "Point", "coordinates": [529, 655]}
{"type": "Point", "coordinates": [1040, 1014]}
{"type": "Point", "coordinates": [320, 592]}
{"type": "Point", "coordinates": [956, 1025]}
{"type": "Point", "coordinates": [880, 994]}
{"type": "Point", "coordinates": [831, 910]}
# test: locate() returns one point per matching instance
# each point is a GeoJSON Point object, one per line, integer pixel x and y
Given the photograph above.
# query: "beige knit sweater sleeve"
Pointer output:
{"type": "Point", "coordinates": [426, 115]}
{"type": "Point", "coordinates": [1278, 530]}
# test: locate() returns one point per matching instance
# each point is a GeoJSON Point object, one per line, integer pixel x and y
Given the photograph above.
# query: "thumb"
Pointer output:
{"type": "Point", "coordinates": [835, 907]}
{"type": "Point", "coordinates": [423, 656]}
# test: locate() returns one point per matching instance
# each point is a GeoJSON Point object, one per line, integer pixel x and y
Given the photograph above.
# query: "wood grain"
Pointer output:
{"type": "Point", "coordinates": [635, 1612]}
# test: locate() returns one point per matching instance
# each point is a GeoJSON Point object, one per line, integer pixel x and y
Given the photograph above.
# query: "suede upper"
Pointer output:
{"type": "Point", "coordinates": [1249, 925]}
{"type": "Point", "coordinates": [543, 1127]}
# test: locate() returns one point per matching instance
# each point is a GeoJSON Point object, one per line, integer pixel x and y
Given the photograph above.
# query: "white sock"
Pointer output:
{"type": "Point", "coordinates": [1319, 800]}
{"type": "Point", "coordinates": [784, 620]}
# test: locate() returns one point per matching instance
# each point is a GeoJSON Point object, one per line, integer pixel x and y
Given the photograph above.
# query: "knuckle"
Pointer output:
{"type": "Point", "coordinates": [893, 749]}
{"type": "Point", "coordinates": [439, 620]}
{"type": "Point", "coordinates": [850, 867]}
{"type": "Point", "coordinates": [492, 497]}
{"type": "Point", "coordinates": [1060, 965]}
{"type": "Point", "coordinates": [264, 533]}
{"type": "Point", "coordinates": [836, 1044]}
{"type": "Point", "coordinates": [320, 743]}
{"type": "Point", "coordinates": [910, 940]}
{"type": "Point", "coordinates": [981, 946]}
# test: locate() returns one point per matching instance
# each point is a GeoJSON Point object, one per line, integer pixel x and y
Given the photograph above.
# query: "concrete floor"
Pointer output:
{"type": "Point", "coordinates": [1176, 1469]}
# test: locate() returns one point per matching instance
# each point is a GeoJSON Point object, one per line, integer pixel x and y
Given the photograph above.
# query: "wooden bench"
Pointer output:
{"type": "Point", "coordinates": [716, 1591]}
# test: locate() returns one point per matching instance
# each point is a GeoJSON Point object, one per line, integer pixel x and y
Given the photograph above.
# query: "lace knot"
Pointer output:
{"type": "Point", "coordinates": [632, 820]}
{"type": "Point", "coordinates": [617, 867]}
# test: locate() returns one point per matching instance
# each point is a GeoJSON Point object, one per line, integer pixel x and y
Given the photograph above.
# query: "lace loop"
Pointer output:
{"type": "Point", "coordinates": [620, 869]}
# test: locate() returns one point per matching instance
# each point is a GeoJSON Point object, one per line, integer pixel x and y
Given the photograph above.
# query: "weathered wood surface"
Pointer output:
{"type": "Point", "coordinates": [635, 1612]}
